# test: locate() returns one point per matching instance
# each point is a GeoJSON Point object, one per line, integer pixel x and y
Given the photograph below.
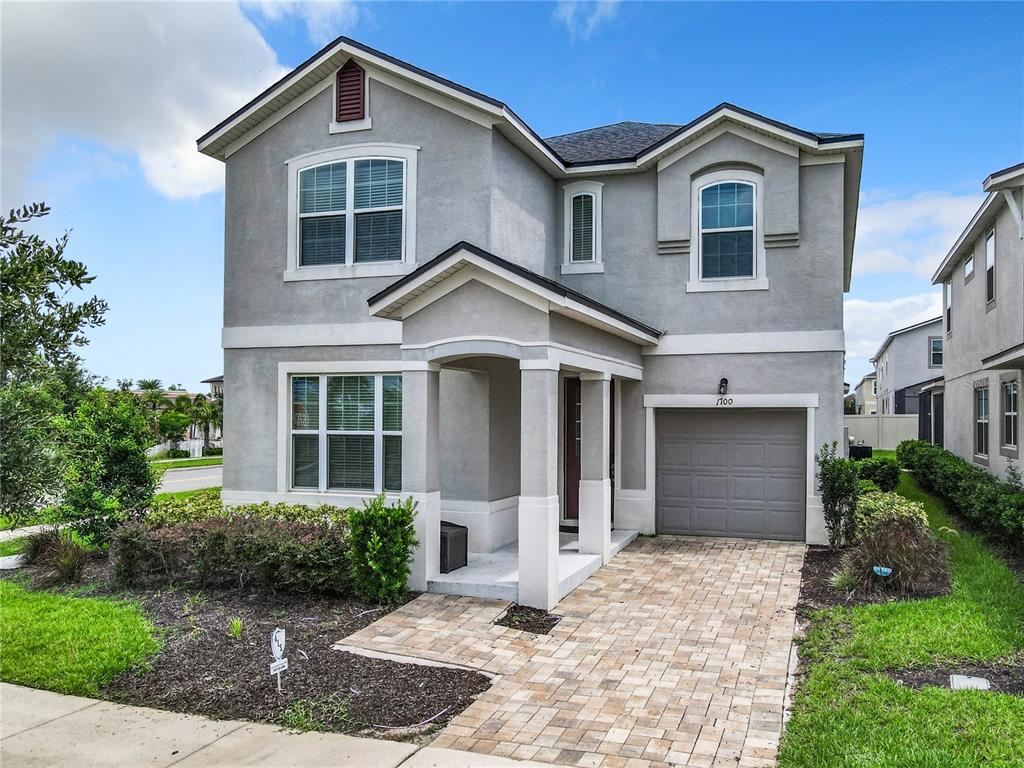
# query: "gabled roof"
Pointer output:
{"type": "Point", "coordinates": [893, 334]}
{"type": "Point", "coordinates": [389, 302]}
{"type": "Point", "coordinates": [1000, 185]}
{"type": "Point", "coordinates": [213, 380]}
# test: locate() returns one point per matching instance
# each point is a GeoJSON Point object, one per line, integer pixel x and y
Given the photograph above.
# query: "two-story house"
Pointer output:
{"type": "Point", "coordinates": [909, 359]}
{"type": "Point", "coordinates": [866, 395]}
{"type": "Point", "coordinates": [983, 282]}
{"type": "Point", "coordinates": [555, 342]}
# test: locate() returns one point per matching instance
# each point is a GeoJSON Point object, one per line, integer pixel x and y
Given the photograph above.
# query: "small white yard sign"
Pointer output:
{"type": "Point", "coordinates": [280, 663]}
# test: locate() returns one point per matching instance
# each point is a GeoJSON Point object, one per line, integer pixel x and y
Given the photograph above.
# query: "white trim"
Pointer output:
{"type": "Point", "coordinates": [952, 258]}
{"type": "Point", "coordinates": [465, 275]}
{"type": "Point", "coordinates": [276, 117]}
{"type": "Point", "coordinates": [758, 281]}
{"type": "Point", "coordinates": [312, 335]}
{"type": "Point", "coordinates": [732, 402]}
{"type": "Point", "coordinates": [806, 159]}
{"type": "Point", "coordinates": [569, 192]}
{"type": "Point", "coordinates": [312, 498]}
{"type": "Point", "coordinates": [350, 126]}
{"type": "Point", "coordinates": [742, 343]}
{"type": "Point", "coordinates": [734, 129]}
{"type": "Point", "coordinates": [549, 345]}
{"type": "Point", "coordinates": [407, 155]}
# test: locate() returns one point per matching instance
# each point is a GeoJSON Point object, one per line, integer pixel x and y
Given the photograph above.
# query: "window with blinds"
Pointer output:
{"type": "Point", "coordinates": [727, 230]}
{"type": "Point", "coordinates": [347, 432]}
{"type": "Point", "coordinates": [366, 226]}
{"type": "Point", "coordinates": [582, 228]}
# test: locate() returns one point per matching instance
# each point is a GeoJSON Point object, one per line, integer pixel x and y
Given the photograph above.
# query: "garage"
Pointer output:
{"type": "Point", "coordinates": [731, 472]}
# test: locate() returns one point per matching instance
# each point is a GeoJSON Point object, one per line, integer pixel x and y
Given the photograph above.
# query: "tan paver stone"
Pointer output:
{"type": "Point", "coordinates": [674, 653]}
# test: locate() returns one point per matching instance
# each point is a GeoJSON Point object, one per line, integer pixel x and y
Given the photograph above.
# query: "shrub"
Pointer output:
{"type": "Point", "coordinates": [864, 487]}
{"type": "Point", "coordinates": [382, 539]}
{"type": "Point", "coordinates": [37, 545]}
{"type": "Point", "coordinates": [206, 504]}
{"type": "Point", "coordinates": [63, 561]}
{"type": "Point", "coordinates": [880, 507]}
{"type": "Point", "coordinates": [213, 451]}
{"type": "Point", "coordinates": [176, 453]}
{"type": "Point", "coordinates": [919, 561]}
{"type": "Point", "coordinates": [906, 452]}
{"type": "Point", "coordinates": [837, 484]}
{"type": "Point", "coordinates": [239, 551]}
{"type": "Point", "coordinates": [883, 472]}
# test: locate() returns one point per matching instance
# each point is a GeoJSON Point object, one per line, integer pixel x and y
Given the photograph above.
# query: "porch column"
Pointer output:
{"type": "Point", "coordinates": [420, 474]}
{"type": "Point", "coordinates": [538, 486]}
{"type": "Point", "coordinates": [595, 479]}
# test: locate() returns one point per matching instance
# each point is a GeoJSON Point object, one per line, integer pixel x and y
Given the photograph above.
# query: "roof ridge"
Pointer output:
{"type": "Point", "coordinates": [611, 125]}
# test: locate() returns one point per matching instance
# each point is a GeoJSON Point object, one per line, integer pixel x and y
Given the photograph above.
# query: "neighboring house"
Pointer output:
{"type": "Point", "coordinates": [557, 343]}
{"type": "Point", "coordinates": [216, 385]}
{"type": "Point", "coordinates": [909, 359]}
{"type": "Point", "coordinates": [983, 280]}
{"type": "Point", "coordinates": [866, 393]}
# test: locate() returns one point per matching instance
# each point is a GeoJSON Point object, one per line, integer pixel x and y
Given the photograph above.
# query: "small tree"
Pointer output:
{"type": "Point", "coordinates": [837, 484]}
{"type": "Point", "coordinates": [172, 424]}
{"type": "Point", "coordinates": [381, 541]}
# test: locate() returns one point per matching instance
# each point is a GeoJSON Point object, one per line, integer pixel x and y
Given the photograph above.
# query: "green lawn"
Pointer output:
{"type": "Point", "coordinates": [11, 546]}
{"type": "Point", "coordinates": [878, 453]}
{"type": "Point", "coordinates": [69, 644]}
{"type": "Point", "coordinates": [184, 494]}
{"type": "Point", "coordinates": [846, 714]}
{"type": "Point", "coordinates": [205, 461]}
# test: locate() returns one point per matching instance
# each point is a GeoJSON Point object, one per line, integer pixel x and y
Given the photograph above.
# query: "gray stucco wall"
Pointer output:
{"type": "Point", "coordinates": [906, 362]}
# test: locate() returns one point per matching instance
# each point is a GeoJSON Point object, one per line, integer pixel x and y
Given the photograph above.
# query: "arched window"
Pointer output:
{"type": "Point", "coordinates": [582, 226]}
{"type": "Point", "coordinates": [727, 230]}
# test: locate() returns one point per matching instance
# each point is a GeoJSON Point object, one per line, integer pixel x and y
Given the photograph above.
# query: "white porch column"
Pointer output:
{"type": "Point", "coordinates": [538, 486]}
{"type": "Point", "coordinates": [420, 474]}
{"type": "Point", "coordinates": [595, 479]}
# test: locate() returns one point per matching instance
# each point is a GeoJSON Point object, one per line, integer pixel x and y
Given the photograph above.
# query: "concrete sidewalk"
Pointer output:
{"type": "Point", "coordinates": [40, 728]}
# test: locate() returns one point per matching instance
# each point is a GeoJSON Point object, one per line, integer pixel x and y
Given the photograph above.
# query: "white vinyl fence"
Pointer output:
{"type": "Point", "coordinates": [883, 431]}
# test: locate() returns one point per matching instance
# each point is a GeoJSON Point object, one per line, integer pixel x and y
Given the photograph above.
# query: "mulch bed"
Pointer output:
{"type": "Point", "coordinates": [528, 619]}
{"type": "Point", "coordinates": [816, 592]}
{"type": "Point", "coordinates": [203, 670]}
{"type": "Point", "coordinates": [1004, 678]}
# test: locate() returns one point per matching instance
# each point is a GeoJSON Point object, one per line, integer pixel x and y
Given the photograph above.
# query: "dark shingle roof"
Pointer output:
{"type": "Point", "coordinates": [620, 141]}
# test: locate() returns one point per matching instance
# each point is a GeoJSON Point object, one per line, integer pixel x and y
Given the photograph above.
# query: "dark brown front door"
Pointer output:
{"type": "Point", "coordinates": [571, 472]}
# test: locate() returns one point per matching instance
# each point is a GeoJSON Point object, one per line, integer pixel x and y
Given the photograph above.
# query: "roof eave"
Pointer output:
{"type": "Point", "coordinates": [970, 232]}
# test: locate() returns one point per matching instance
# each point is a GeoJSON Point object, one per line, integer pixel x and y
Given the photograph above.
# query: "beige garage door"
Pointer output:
{"type": "Point", "coordinates": [731, 473]}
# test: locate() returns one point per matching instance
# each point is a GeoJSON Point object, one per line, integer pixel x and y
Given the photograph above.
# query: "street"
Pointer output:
{"type": "Point", "coordinates": [190, 479]}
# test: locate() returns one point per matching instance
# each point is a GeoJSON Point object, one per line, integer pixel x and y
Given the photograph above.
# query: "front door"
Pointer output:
{"type": "Point", "coordinates": [572, 451]}
{"type": "Point", "coordinates": [937, 430]}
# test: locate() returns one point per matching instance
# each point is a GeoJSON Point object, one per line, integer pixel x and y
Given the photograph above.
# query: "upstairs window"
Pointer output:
{"type": "Point", "coordinates": [949, 306]}
{"type": "Point", "coordinates": [351, 212]}
{"type": "Point", "coordinates": [935, 352]}
{"type": "Point", "coordinates": [969, 267]}
{"type": "Point", "coordinates": [582, 225]}
{"type": "Point", "coordinates": [727, 230]}
{"type": "Point", "coordinates": [582, 228]}
{"type": "Point", "coordinates": [990, 266]}
{"type": "Point", "coordinates": [350, 93]}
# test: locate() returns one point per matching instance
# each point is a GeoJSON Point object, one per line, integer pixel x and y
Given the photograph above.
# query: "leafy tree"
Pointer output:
{"type": "Point", "coordinates": [106, 473]}
{"type": "Point", "coordinates": [172, 424]}
{"type": "Point", "coordinates": [39, 326]}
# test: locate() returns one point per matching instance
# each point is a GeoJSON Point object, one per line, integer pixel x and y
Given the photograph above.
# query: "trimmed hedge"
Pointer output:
{"type": "Point", "coordinates": [883, 472]}
{"type": "Point", "coordinates": [206, 504]}
{"type": "Point", "coordinates": [879, 507]}
{"type": "Point", "coordinates": [969, 490]}
{"type": "Point", "coordinates": [245, 552]}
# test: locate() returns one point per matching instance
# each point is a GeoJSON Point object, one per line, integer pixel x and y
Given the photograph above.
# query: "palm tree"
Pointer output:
{"type": "Point", "coordinates": [204, 414]}
{"type": "Point", "coordinates": [150, 384]}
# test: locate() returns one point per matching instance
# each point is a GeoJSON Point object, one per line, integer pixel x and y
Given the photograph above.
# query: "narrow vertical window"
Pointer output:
{"type": "Point", "coordinates": [727, 230]}
{"type": "Point", "coordinates": [305, 432]}
{"type": "Point", "coordinates": [322, 214]}
{"type": "Point", "coordinates": [350, 93]}
{"type": "Point", "coordinates": [935, 352]}
{"type": "Point", "coordinates": [969, 267]}
{"type": "Point", "coordinates": [1011, 393]}
{"type": "Point", "coordinates": [981, 421]}
{"type": "Point", "coordinates": [582, 228]}
{"type": "Point", "coordinates": [990, 266]}
{"type": "Point", "coordinates": [949, 306]}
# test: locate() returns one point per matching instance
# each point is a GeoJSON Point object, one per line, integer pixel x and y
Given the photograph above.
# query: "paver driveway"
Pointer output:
{"type": "Point", "coordinates": [675, 652]}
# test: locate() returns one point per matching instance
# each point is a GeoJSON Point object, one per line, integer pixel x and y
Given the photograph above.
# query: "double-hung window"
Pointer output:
{"type": "Point", "coordinates": [1011, 393]}
{"type": "Point", "coordinates": [346, 432]}
{"type": "Point", "coordinates": [969, 267]}
{"type": "Point", "coordinates": [935, 352]}
{"type": "Point", "coordinates": [727, 230]}
{"type": "Point", "coordinates": [351, 212]}
{"type": "Point", "coordinates": [990, 266]}
{"type": "Point", "coordinates": [949, 306]}
{"type": "Point", "coordinates": [981, 421]}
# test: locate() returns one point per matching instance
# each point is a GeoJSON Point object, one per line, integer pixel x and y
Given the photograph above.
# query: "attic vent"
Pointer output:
{"type": "Point", "coordinates": [349, 92]}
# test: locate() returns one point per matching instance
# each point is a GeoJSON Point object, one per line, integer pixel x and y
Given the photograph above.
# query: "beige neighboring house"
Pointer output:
{"type": "Point", "coordinates": [975, 410]}
{"type": "Point", "coordinates": [866, 395]}
{"type": "Point", "coordinates": [216, 385]}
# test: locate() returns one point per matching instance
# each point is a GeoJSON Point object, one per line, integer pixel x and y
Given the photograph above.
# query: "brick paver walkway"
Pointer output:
{"type": "Point", "coordinates": [676, 652]}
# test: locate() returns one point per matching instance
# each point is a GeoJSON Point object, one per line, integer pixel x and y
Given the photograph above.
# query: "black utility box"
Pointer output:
{"type": "Point", "coordinates": [454, 546]}
{"type": "Point", "coordinates": [860, 451]}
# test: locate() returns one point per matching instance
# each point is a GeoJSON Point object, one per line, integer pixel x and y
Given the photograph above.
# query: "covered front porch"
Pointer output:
{"type": "Point", "coordinates": [491, 439]}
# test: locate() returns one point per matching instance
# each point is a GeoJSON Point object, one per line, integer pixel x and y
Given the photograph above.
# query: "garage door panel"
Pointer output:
{"type": "Point", "coordinates": [732, 473]}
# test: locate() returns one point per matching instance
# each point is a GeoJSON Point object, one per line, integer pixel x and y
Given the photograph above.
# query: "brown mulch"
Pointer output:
{"type": "Point", "coordinates": [528, 619]}
{"type": "Point", "coordinates": [203, 670]}
{"type": "Point", "coordinates": [1004, 678]}
{"type": "Point", "coordinates": [816, 592]}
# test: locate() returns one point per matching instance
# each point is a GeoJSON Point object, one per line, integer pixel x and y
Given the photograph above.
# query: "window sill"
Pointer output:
{"type": "Point", "coordinates": [990, 305]}
{"type": "Point", "coordinates": [1008, 451]}
{"type": "Point", "coordinates": [349, 127]}
{"type": "Point", "coordinates": [349, 271]}
{"type": "Point", "coordinates": [709, 286]}
{"type": "Point", "coordinates": [980, 459]}
{"type": "Point", "coordinates": [582, 268]}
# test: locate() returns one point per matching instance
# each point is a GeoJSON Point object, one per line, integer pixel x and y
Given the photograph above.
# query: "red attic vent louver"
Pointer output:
{"type": "Point", "coordinates": [349, 87]}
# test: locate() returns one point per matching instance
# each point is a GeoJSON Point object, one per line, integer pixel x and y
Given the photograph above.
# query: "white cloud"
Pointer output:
{"type": "Point", "coordinates": [324, 21]}
{"type": "Point", "coordinates": [146, 79]}
{"type": "Point", "coordinates": [909, 234]}
{"type": "Point", "coordinates": [583, 18]}
{"type": "Point", "coordinates": [867, 323]}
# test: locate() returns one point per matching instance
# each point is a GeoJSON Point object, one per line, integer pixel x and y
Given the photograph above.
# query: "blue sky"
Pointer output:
{"type": "Point", "coordinates": [938, 89]}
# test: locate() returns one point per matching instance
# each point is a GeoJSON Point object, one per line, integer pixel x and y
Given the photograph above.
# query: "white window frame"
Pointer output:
{"type": "Point", "coordinates": [569, 191]}
{"type": "Point", "coordinates": [968, 267]}
{"type": "Point", "coordinates": [982, 450]}
{"type": "Point", "coordinates": [1004, 390]}
{"type": "Point", "coordinates": [405, 153]}
{"type": "Point", "coordinates": [874, 387]}
{"type": "Point", "coordinates": [378, 433]}
{"type": "Point", "coordinates": [932, 353]}
{"type": "Point", "coordinates": [990, 265]}
{"type": "Point", "coordinates": [759, 280]}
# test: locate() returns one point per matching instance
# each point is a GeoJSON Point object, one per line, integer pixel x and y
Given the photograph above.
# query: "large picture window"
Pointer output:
{"type": "Point", "coordinates": [346, 432]}
{"type": "Point", "coordinates": [727, 230]}
{"type": "Point", "coordinates": [981, 421]}
{"type": "Point", "coordinates": [351, 212]}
